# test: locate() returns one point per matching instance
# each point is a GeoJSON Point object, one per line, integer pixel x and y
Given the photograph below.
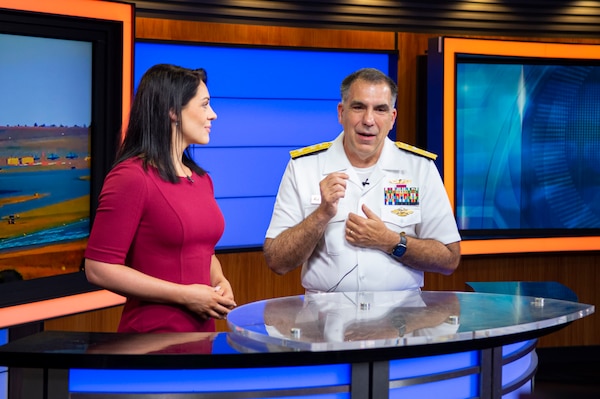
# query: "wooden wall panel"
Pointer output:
{"type": "Point", "coordinates": [104, 320]}
{"type": "Point", "coordinates": [410, 46]}
{"type": "Point", "coordinates": [205, 32]}
{"type": "Point", "coordinates": [248, 272]}
{"type": "Point", "coordinates": [550, 18]}
{"type": "Point", "coordinates": [253, 281]}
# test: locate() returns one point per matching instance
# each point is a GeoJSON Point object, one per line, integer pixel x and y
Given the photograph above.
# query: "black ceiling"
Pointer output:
{"type": "Point", "coordinates": [559, 18]}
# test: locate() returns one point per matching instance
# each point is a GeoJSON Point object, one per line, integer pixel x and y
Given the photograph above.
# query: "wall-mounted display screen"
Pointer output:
{"type": "Point", "coordinates": [521, 143]}
{"type": "Point", "coordinates": [65, 75]}
{"type": "Point", "coordinates": [45, 121]}
{"type": "Point", "coordinates": [268, 101]}
{"type": "Point", "coordinates": [528, 145]}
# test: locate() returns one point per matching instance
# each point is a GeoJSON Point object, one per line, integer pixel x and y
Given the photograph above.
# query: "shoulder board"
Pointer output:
{"type": "Point", "coordinates": [311, 149]}
{"type": "Point", "coordinates": [416, 150]}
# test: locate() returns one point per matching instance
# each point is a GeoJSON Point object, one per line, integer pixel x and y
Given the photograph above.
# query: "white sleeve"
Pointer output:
{"type": "Point", "coordinates": [287, 211]}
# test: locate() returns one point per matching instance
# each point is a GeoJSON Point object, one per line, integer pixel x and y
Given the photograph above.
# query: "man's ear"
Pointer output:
{"type": "Point", "coordinates": [340, 110]}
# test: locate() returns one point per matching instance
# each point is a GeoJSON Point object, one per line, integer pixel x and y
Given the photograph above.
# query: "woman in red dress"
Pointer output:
{"type": "Point", "coordinates": [157, 223]}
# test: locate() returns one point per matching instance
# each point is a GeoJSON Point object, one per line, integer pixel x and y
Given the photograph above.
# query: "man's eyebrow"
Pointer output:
{"type": "Point", "coordinates": [356, 102]}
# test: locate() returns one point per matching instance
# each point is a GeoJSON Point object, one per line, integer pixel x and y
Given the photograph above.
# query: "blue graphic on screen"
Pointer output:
{"type": "Point", "coordinates": [268, 101]}
{"type": "Point", "coordinates": [527, 147]}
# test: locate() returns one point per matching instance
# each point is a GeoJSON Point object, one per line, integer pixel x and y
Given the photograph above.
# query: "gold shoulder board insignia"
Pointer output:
{"type": "Point", "coordinates": [311, 149]}
{"type": "Point", "coordinates": [416, 150]}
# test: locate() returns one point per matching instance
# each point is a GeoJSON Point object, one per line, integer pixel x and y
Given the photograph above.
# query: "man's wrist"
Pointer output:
{"type": "Point", "coordinates": [400, 248]}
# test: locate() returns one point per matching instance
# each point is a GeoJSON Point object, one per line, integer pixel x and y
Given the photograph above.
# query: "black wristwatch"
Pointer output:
{"type": "Point", "coordinates": [400, 248]}
{"type": "Point", "coordinates": [399, 323]}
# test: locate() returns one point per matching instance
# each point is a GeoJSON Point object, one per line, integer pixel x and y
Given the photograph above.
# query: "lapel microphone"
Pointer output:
{"type": "Point", "coordinates": [366, 182]}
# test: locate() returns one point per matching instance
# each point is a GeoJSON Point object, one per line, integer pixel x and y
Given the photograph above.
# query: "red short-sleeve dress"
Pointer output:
{"type": "Point", "coordinates": [162, 229]}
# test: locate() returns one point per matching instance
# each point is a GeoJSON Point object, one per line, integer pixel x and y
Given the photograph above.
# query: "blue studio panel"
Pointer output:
{"type": "Point", "coordinates": [267, 380]}
{"type": "Point", "coordinates": [457, 387]}
{"type": "Point", "coordinates": [268, 101]}
{"type": "Point", "coordinates": [3, 370]}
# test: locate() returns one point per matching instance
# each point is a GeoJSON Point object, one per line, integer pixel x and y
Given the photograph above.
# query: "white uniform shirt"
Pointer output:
{"type": "Point", "coordinates": [336, 265]}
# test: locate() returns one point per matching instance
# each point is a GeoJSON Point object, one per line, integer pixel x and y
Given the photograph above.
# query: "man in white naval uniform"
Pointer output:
{"type": "Point", "coordinates": [363, 213]}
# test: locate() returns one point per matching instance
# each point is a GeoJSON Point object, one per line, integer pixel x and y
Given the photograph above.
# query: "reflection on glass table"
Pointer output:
{"type": "Point", "coordinates": [352, 320]}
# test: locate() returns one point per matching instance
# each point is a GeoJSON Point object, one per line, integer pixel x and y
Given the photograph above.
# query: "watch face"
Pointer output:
{"type": "Point", "coordinates": [399, 250]}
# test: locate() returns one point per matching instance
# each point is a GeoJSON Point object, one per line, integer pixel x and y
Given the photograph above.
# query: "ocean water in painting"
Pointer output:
{"type": "Point", "coordinates": [48, 187]}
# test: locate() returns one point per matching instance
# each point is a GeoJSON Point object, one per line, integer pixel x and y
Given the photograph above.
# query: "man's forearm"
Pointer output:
{"type": "Point", "coordinates": [294, 246]}
{"type": "Point", "coordinates": [431, 256]}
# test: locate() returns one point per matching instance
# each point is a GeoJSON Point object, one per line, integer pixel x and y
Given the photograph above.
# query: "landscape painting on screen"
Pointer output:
{"type": "Point", "coordinates": [45, 118]}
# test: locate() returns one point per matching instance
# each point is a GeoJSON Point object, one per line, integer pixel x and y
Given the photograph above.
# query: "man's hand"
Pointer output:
{"type": "Point", "coordinates": [369, 232]}
{"type": "Point", "coordinates": [333, 187]}
{"type": "Point", "coordinates": [294, 246]}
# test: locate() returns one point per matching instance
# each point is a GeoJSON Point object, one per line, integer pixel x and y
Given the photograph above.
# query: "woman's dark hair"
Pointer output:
{"type": "Point", "coordinates": [163, 89]}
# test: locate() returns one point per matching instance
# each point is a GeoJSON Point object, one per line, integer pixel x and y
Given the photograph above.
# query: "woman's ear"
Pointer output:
{"type": "Point", "coordinates": [173, 116]}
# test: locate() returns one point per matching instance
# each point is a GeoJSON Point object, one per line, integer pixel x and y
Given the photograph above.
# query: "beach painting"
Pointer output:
{"type": "Point", "coordinates": [45, 131]}
{"type": "Point", "coordinates": [44, 199]}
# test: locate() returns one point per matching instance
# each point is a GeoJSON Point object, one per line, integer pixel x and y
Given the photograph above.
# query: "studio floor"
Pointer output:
{"type": "Point", "coordinates": [567, 373]}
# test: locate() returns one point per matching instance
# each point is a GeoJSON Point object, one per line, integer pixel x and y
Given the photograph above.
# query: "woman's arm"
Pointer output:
{"type": "Point", "coordinates": [198, 298]}
{"type": "Point", "coordinates": [219, 282]}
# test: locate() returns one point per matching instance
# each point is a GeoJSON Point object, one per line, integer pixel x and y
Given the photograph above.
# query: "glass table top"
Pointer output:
{"type": "Point", "coordinates": [353, 320]}
{"type": "Point", "coordinates": [265, 333]}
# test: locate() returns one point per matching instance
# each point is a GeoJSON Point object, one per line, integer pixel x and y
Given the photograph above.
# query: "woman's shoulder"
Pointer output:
{"type": "Point", "coordinates": [129, 171]}
{"type": "Point", "coordinates": [133, 165]}
{"type": "Point", "coordinates": [130, 163]}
